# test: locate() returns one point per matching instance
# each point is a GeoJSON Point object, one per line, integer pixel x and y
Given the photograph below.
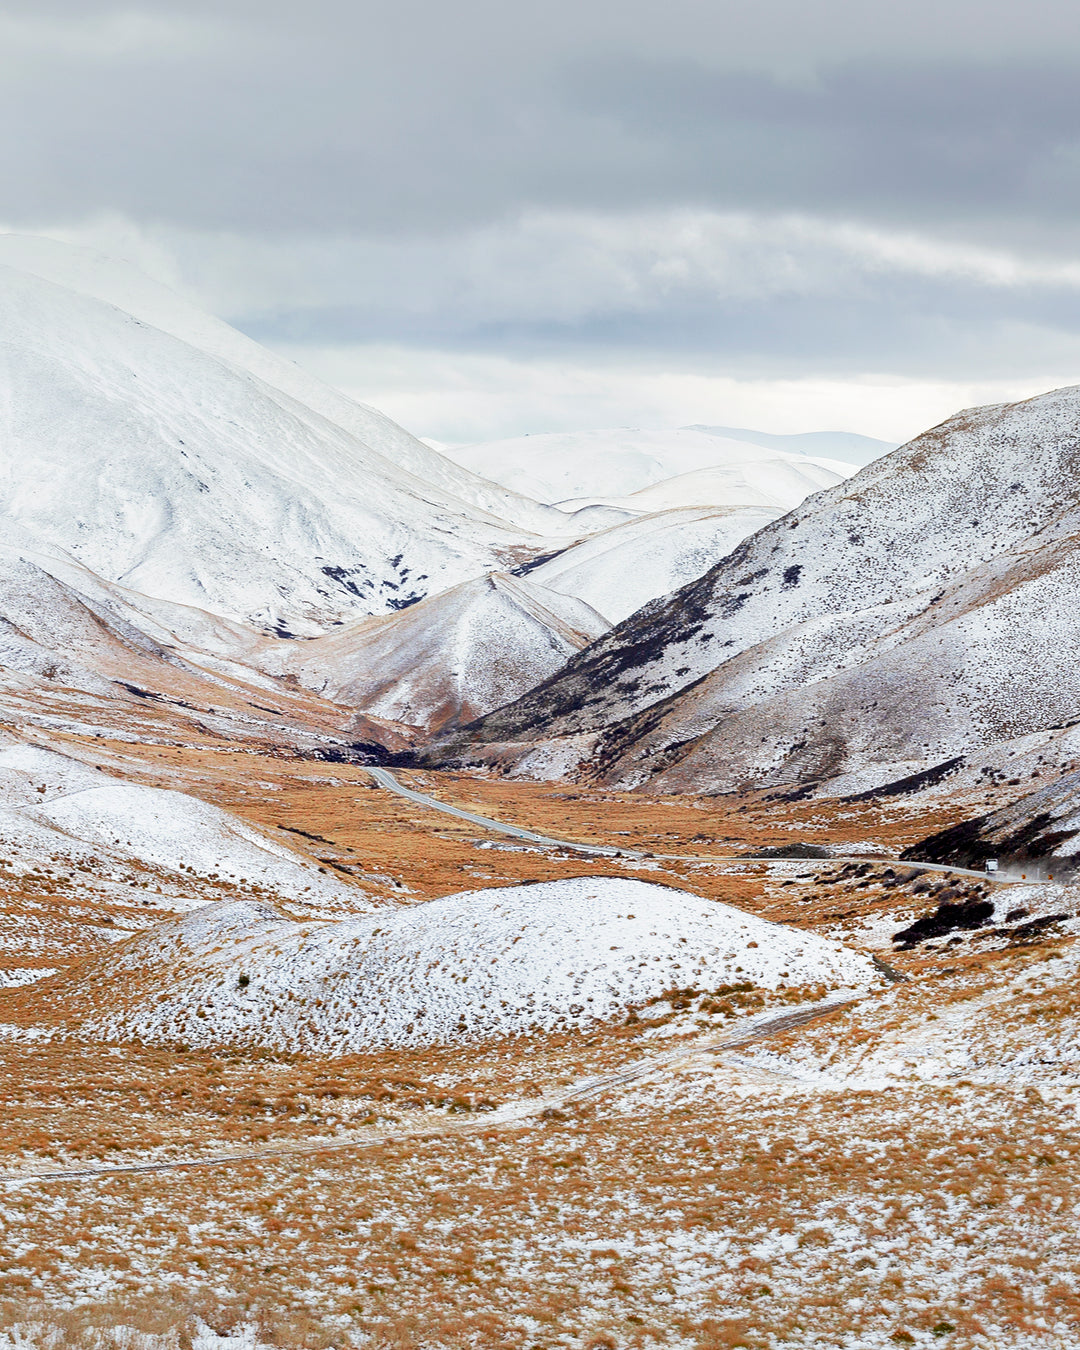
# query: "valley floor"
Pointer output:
{"type": "Point", "coordinates": [896, 1171]}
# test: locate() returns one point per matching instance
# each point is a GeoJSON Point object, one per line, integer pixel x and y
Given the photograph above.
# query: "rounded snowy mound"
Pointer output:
{"type": "Point", "coordinates": [478, 964]}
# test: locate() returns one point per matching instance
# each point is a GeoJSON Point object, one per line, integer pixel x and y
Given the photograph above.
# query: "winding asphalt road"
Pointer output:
{"type": "Point", "coordinates": [387, 780]}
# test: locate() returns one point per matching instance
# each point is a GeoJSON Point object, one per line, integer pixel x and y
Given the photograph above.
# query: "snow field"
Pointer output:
{"type": "Point", "coordinates": [575, 468]}
{"type": "Point", "coordinates": [622, 568]}
{"type": "Point", "coordinates": [171, 471]}
{"type": "Point", "coordinates": [496, 962]}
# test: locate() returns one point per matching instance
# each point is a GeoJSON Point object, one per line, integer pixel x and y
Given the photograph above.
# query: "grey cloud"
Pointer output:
{"type": "Point", "coordinates": [389, 136]}
{"type": "Point", "coordinates": [910, 328]}
{"type": "Point", "coordinates": [419, 116]}
{"type": "Point", "coordinates": [883, 140]}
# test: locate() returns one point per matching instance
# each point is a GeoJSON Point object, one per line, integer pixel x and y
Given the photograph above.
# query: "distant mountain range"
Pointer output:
{"type": "Point", "coordinates": [179, 505]}
{"type": "Point", "coordinates": [574, 468]}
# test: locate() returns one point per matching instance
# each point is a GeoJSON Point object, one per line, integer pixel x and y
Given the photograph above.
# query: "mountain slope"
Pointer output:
{"type": "Point", "coordinates": [847, 446]}
{"type": "Point", "coordinates": [1041, 827]}
{"type": "Point", "coordinates": [778, 484]}
{"type": "Point", "coordinates": [919, 609]}
{"type": "Point", "coordinates": [622, 568]}
{"type": "Point", "coordinates": [449, 658]}
{"type": "Point", "coordinates": [177, 475]}
{"type": "Point", "coordinates": [126, 288]}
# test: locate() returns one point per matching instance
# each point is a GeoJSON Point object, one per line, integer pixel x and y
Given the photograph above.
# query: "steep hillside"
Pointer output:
{"type": "Point", "coordinates": [1041, 828]}
{"type": "Point", "coordinates": [922, 608]}
{"type": "Point", "coordinates": [183, 477]}
{"type": "Point", "coordinates": [126, 288]}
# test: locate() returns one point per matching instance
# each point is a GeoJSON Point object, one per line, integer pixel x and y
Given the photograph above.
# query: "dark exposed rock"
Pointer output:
{"type": "Point", "coordinates": [967, 914]}
{"type": "Point", "coordinates": [790, 851]}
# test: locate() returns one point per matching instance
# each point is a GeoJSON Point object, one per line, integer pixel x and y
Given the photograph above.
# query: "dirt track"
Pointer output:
{"type": "Point", "coordinates": [509, 1116]}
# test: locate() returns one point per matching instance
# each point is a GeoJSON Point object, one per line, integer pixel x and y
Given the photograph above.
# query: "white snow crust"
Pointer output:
{"type": "Point", "coordinates": [126, 288]}
{"type": "Point", "coordinates": [450, 658]}
{"type": "Point", "coordinates": [576, 468]}
{"type": "Point", "coordinates": [780, 483]}
{"type": "Point", "coordinates": [179, 475]}
{"type": "Point", "coordinates": [54, 807]}
{"type": "Point", "coordinates": [622, 568]}
{"type": "Point", "coordinates": [488, 963]}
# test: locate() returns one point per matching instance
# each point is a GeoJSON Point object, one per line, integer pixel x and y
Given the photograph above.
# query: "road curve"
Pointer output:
{"type": "Point", "coordinates": [387, 780]}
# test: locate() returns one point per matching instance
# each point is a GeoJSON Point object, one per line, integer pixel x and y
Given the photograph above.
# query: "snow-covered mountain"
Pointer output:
{"type": "Point", "coordinates": [924, 607]}
{"type": "Point", "coordinates": [846, 446]}
{"type": "Point", "coordinates": [125, 288]}
{"type": "Point", "coordinates": [176, 473]}
{"type": "Point", "coordinates": [577, 467]}
{"type": "Point", "coordinates": [449, 658]}
{"type": "Point", "coordinates": [776, 483]}
{"type": "Point", "coordinates": [623, 567]}
{"type": "Point", "coordinates": [178, 506]}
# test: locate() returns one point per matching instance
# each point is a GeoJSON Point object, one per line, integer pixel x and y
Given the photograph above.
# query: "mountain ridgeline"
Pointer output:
{"type": "Point", "coordinates": [923, 608]}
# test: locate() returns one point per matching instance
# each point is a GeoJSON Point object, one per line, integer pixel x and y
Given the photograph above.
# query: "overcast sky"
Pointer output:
{"type": "Point", "coordinates": [491, 218]}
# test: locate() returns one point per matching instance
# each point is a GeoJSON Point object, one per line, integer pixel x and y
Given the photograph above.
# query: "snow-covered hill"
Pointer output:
{"type": "Point", "coordinates": [846, 446]}
{"type": "Point", "coordinates": [448, 659]}
{"type": "Point", "coordinates": [923, 608]}
{"type": "Point", "coordinates": [577, 467]}
{"type": "Point", "coordinates": [622, 568]}
{"type": "Point", "coordinates": [776, 483]}
{"type": "Point", "coordinates": [73, 816]}
{"type": "Point", "coordinates": [181, 476]}
{"type": "Point", "coordinates": [479, 964]}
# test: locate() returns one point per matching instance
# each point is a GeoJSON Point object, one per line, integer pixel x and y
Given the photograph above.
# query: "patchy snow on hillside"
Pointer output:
{"type": "Point", "coordinates": [479, 964]}
{"type": "Point", "coordinates": [450, 658]}
{"type": "Point", "coordinates": [57, 809]}
{"type": "Point", "coordinates": [923, 609]}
